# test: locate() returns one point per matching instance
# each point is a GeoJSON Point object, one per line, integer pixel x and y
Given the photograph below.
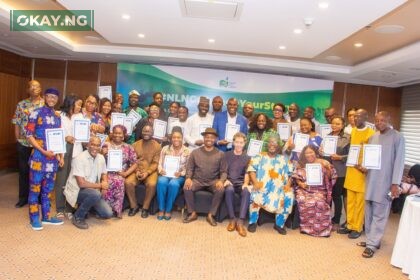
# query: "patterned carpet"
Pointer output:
{"type": "Point", "coordinates": [136, 248]}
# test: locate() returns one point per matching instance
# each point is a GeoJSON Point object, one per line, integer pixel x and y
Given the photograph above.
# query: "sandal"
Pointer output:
{"type": "Point", "coordinates": [368, 253]}
{"type": "Point", "coordinates": [361, 244]}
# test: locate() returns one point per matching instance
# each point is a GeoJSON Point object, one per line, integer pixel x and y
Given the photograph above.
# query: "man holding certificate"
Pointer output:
{"type": "Point", "coordinates": [133, 104]}
{"type": "Point", "coordinates": [197, 123]}
{"type": "Point", "coordinates": [382, 185]}
{"type": "Point", "coordinates": [43, 162]}
{"type": "Point", "coordinates": [160, 131]}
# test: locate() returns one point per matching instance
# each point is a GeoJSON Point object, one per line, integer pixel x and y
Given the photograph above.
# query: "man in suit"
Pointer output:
{"type": "Point", "coordinates": [230, 116]}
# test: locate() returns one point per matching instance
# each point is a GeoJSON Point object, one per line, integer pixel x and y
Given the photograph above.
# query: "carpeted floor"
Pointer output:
{"type": "Point", "coordinates": [136, 248]}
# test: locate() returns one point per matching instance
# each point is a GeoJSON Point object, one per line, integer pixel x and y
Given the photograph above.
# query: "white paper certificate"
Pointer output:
{"type": "Point", "coordinates": [105, 92]}
{"type": "Point", "coordinates": [135, 116]}
{"type": "Point", "coordinates": [171, 123]}
{"type": "Point", "coordinates": [372, 156]}
{"type": "Point", "coordinates": [128, 123]}
{"type": "Point", "coordinates": [81, 130]}
{"type": "Point", "coordinates": [300, 140]}
{"type": "Point", "coordinates": [324, 129]}
{"type": "Point", "coordinates": [55, 140]}
{"type": "Point", "coordinates": [231, 130]}
{"type": "Point", "coordinates": [116, 119]}
{"type": "Point", "coordinates": [353, 156]}
{"type": "Point", "coordinates": [102, 137]}
{"type": "Point", "coordinates": [202, 127]}
{"type": "Point", "coordinates": [283, 129]}
{"type": "Point", "coordinates": [254, 147]}
{"type": "Point", "coordinates": [329, 145]}
{"type": "Point", "coordinates": [114, 160]}
{"type": "Point", "coordinates": [159, 128]}
{"type": "Point", "coordinates": [171, 165]}
{"type": "Point", "coordinates": [313, 174]}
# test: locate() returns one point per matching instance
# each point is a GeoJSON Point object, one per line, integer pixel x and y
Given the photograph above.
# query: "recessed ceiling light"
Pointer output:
{"type": "Point", "coordinates": [358, 45]}
{"type": "Point", "coordinates": [212, 41]}
{"type": "Point", "coordinates": [297, 31]}
{"type": "Point", "coordinates": [141, 35]}
{"type": "Point", "coordinates": [389, 29]}
{"type": "Point", "coordinates": [92, 38]}
{"type": "Point", "coordinates": [332, 57]}
{"type": "Point", "coordinates": [282, 47]}
{"type": "Point", "coordinates": [323, 5]}
{"type": "Point", "coordinates": [125, 16]}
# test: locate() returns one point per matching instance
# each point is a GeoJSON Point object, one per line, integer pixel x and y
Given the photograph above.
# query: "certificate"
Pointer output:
{"type": "Point", "coordinates": [135, 116]}
{"type": "Point", "coordinates": [116, 119]}
{"type": "Point", "coordinates": [254, 147]}
{"type": "Point", "coordinates": [105, 92]}
{"type": "Point", "coordinates": [159, 128]}
{"type": "Point", "coordinates": [283, 129]}
{"type": "Point", "coordinates": [114, 160]}
{"type": "Point", "coordinates": [313, 174]}
{"type": "Point", "coordinates": [202, 127]}
{"type": "Point", "coordinates": [300, 140]}
{"type": "Point", "coordinates": [372, 156]}
{"type": "Point", "coordinates": [171, 123]}
{"type": "Point", "coordinates": [102, 137]}
{"type": "Point", "coordinates": [353, 156]}
{"type": "Point", "coordinates": [55, 140]}
{"type": "Point", "coordinates": [81, 130]}
{"type": "Point", "coordinates": [231, 130]}
{"type": "Point", "coordinates": [324, 129]}
{"type": "Point", "coordinates": [128, 123]}
{"type": "Point", "coordinates": [329, 145]}
{"type": "Point", "coordinates": [171, 165]}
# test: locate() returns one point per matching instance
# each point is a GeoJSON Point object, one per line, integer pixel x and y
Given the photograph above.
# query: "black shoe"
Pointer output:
{"type": "Point", "coordinates": [252, 227]}
{"type": "Point", "coordinates": [190, 218]}
{"type": "Point", "coordinates": [211, 220]}
{"type": "Point", "coordinates": [79, 223]}
{"type": "Point", "coordinates": [133, 211]}
{"type": "Point", "coordinates": [144, 213]}
{"type": "Point", "coordinates": [344, 231]}
{"type": "Point", "coordinates": [280, 230]}
{"type": "Point", "coordinates": [354, 234]}
{"type": "Point", "coordinates": [21, 203]}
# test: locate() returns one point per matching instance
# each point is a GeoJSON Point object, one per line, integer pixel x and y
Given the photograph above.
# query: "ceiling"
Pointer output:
{"type": "Point", "coordinates": [247, 35]}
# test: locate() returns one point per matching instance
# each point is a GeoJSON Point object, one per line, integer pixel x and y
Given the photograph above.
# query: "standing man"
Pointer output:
{"type": "Point", "coordinates": [206, 169]}
{"type": "Point", "coordinates": [294, 115]}
{"type": "Point", "coordinates": [197, 123]}
{"type": "Point", "coordinates": [248, 111]}
{"type": "Point", "coordinates": [382, 181]}
{"type": "Point", "coordinates": [230, 116]}
{"type": "Point", "coordinates": [355, 179]}
{"type": "Point", "coordinates": [43, 163]}
{"type": "Point", "coordinates": [20, 119]}
{"type": "Point", "coordinates": [217, 104]}
{"type": "Point", "coordinates": [133, 104]}
{"type": "Point", "coordinates": [329, 113]}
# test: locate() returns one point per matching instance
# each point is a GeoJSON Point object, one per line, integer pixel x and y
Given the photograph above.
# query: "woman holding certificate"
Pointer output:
{"type": "Point", "coordinates": [314, 179]}
{"type": "Point", "coordinates": [97, 124]}
{"type": "Point", "coordinates": [278, 114]}
{"type": "Point", "coordinates": [128, 163]}
{"type": "Point", "coordinates": [260, 129]}
{"type": "Point", "coordinates": [172, 167]}
{"type": "Point", "coordinates": [105, 108]}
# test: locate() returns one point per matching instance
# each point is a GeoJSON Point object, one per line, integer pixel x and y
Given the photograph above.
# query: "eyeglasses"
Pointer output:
{"type": "Point", "coordinates": [278, 110]}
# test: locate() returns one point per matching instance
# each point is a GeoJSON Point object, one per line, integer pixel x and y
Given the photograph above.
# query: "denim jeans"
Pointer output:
{"type": "Point", "coordinates": [167, 190]}
{"type": "Point", "coordinates": [91, 198]}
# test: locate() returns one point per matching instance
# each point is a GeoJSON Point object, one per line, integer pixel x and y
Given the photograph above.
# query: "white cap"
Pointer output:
{"type": "Point", "coordinates": [135, 92]}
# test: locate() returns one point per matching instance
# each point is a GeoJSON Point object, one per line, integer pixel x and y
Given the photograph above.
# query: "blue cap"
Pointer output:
{"type": "Point", "coordinates": [52, 91]}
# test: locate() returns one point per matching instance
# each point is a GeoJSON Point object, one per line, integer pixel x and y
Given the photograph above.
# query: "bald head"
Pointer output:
{"type": "Point", "coordinates": [94, 145]}
{"type": "Point", "coordinates": [360, 118]}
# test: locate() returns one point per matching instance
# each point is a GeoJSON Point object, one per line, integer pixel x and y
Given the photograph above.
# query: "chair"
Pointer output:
{"type": "Point", "coordinates": [292, 221]}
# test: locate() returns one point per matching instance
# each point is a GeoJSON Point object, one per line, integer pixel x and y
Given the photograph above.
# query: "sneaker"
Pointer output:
{"type": "Point", "coordinates": [79, 223]}
{"type": "Point", "coordinates": [53, 221]}
{"type": "Point", "coordinates": [36, 225]}
{"type": "Point", "coordinates": [60, 215]}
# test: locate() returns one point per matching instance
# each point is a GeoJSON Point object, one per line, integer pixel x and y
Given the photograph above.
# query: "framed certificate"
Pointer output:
{"type": "Point", "coordinates": [202, 127]}
{"type": "Point", "coordinates": [116, 119]}
{"type": "Point", "coordinates": [159, 128]}
{"type": "Point", "coordinates": [128, 123]}
{"type": "Point", "coordinates": [283, 129]}
{"type": "Point", "coordinates": [102, 137]}
{"type": "Point", "coordinates": [300, 140]}
{"type": "Point", "coordinates": [135, 116]}
{"type": "Point", "coordinates": [55, 140]}
{"type": "Point", "coordinates": [372, 156]}
{"type": "Point", "coordinates": [313, 174]}
{"type": "Point", "coordinates": [324, 129]}
{"type": "Point", "coordinates": [329, 145]}
{"type": "Point", "coordinates": [81, 130]}
{"type": "Point", "coordinates": [114, 160]}
{"type": "Point", "coordinates": [254, 147]}
{"type": "Point", "coordinates": [171, 123]}
{"type": "Point", "coordinates": [171, 165]}
{"type": "Point", "coordinates": [353, 156]}
{"type": "Point", "coordinates": [231, 130]}
{"type": "Point", "coordinates": [105, 92]}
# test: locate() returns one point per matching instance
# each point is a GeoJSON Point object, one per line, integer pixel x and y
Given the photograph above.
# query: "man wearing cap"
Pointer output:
{"type": "Point", "coordinates": [20, 119]}
{"type": "Point", "coordinates": [43, 163]}
{"type": "Point", "coordinates": [133, 104]}
{"type": "Point", "coordinates": [197, 123]}
{"type": "Point", "coordinates": [206, 170]}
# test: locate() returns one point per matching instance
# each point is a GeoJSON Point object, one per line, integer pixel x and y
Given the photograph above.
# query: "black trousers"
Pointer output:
{"type": "Point", "coordinates": [337, 193]}
{"type": "Point", "coordinates": [23, 163]}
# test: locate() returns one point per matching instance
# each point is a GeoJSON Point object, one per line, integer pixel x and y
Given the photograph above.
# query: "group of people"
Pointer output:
{"type": "Point", "coordinates": [207, 157]}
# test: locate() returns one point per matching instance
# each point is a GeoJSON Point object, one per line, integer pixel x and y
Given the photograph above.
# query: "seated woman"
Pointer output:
{"type": "Point", "coordinates": [269, 173]}
{"type": "Point", "coordinates": [115, 194]}
{"type": "Point", "coordinates": [260, 128]}
{"type": "Point", "coordinates": [314, 201]}
{"type": "Point", "coordinates": [411, 183]}
{"type": "Point", "coordinates": [168, 185]}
